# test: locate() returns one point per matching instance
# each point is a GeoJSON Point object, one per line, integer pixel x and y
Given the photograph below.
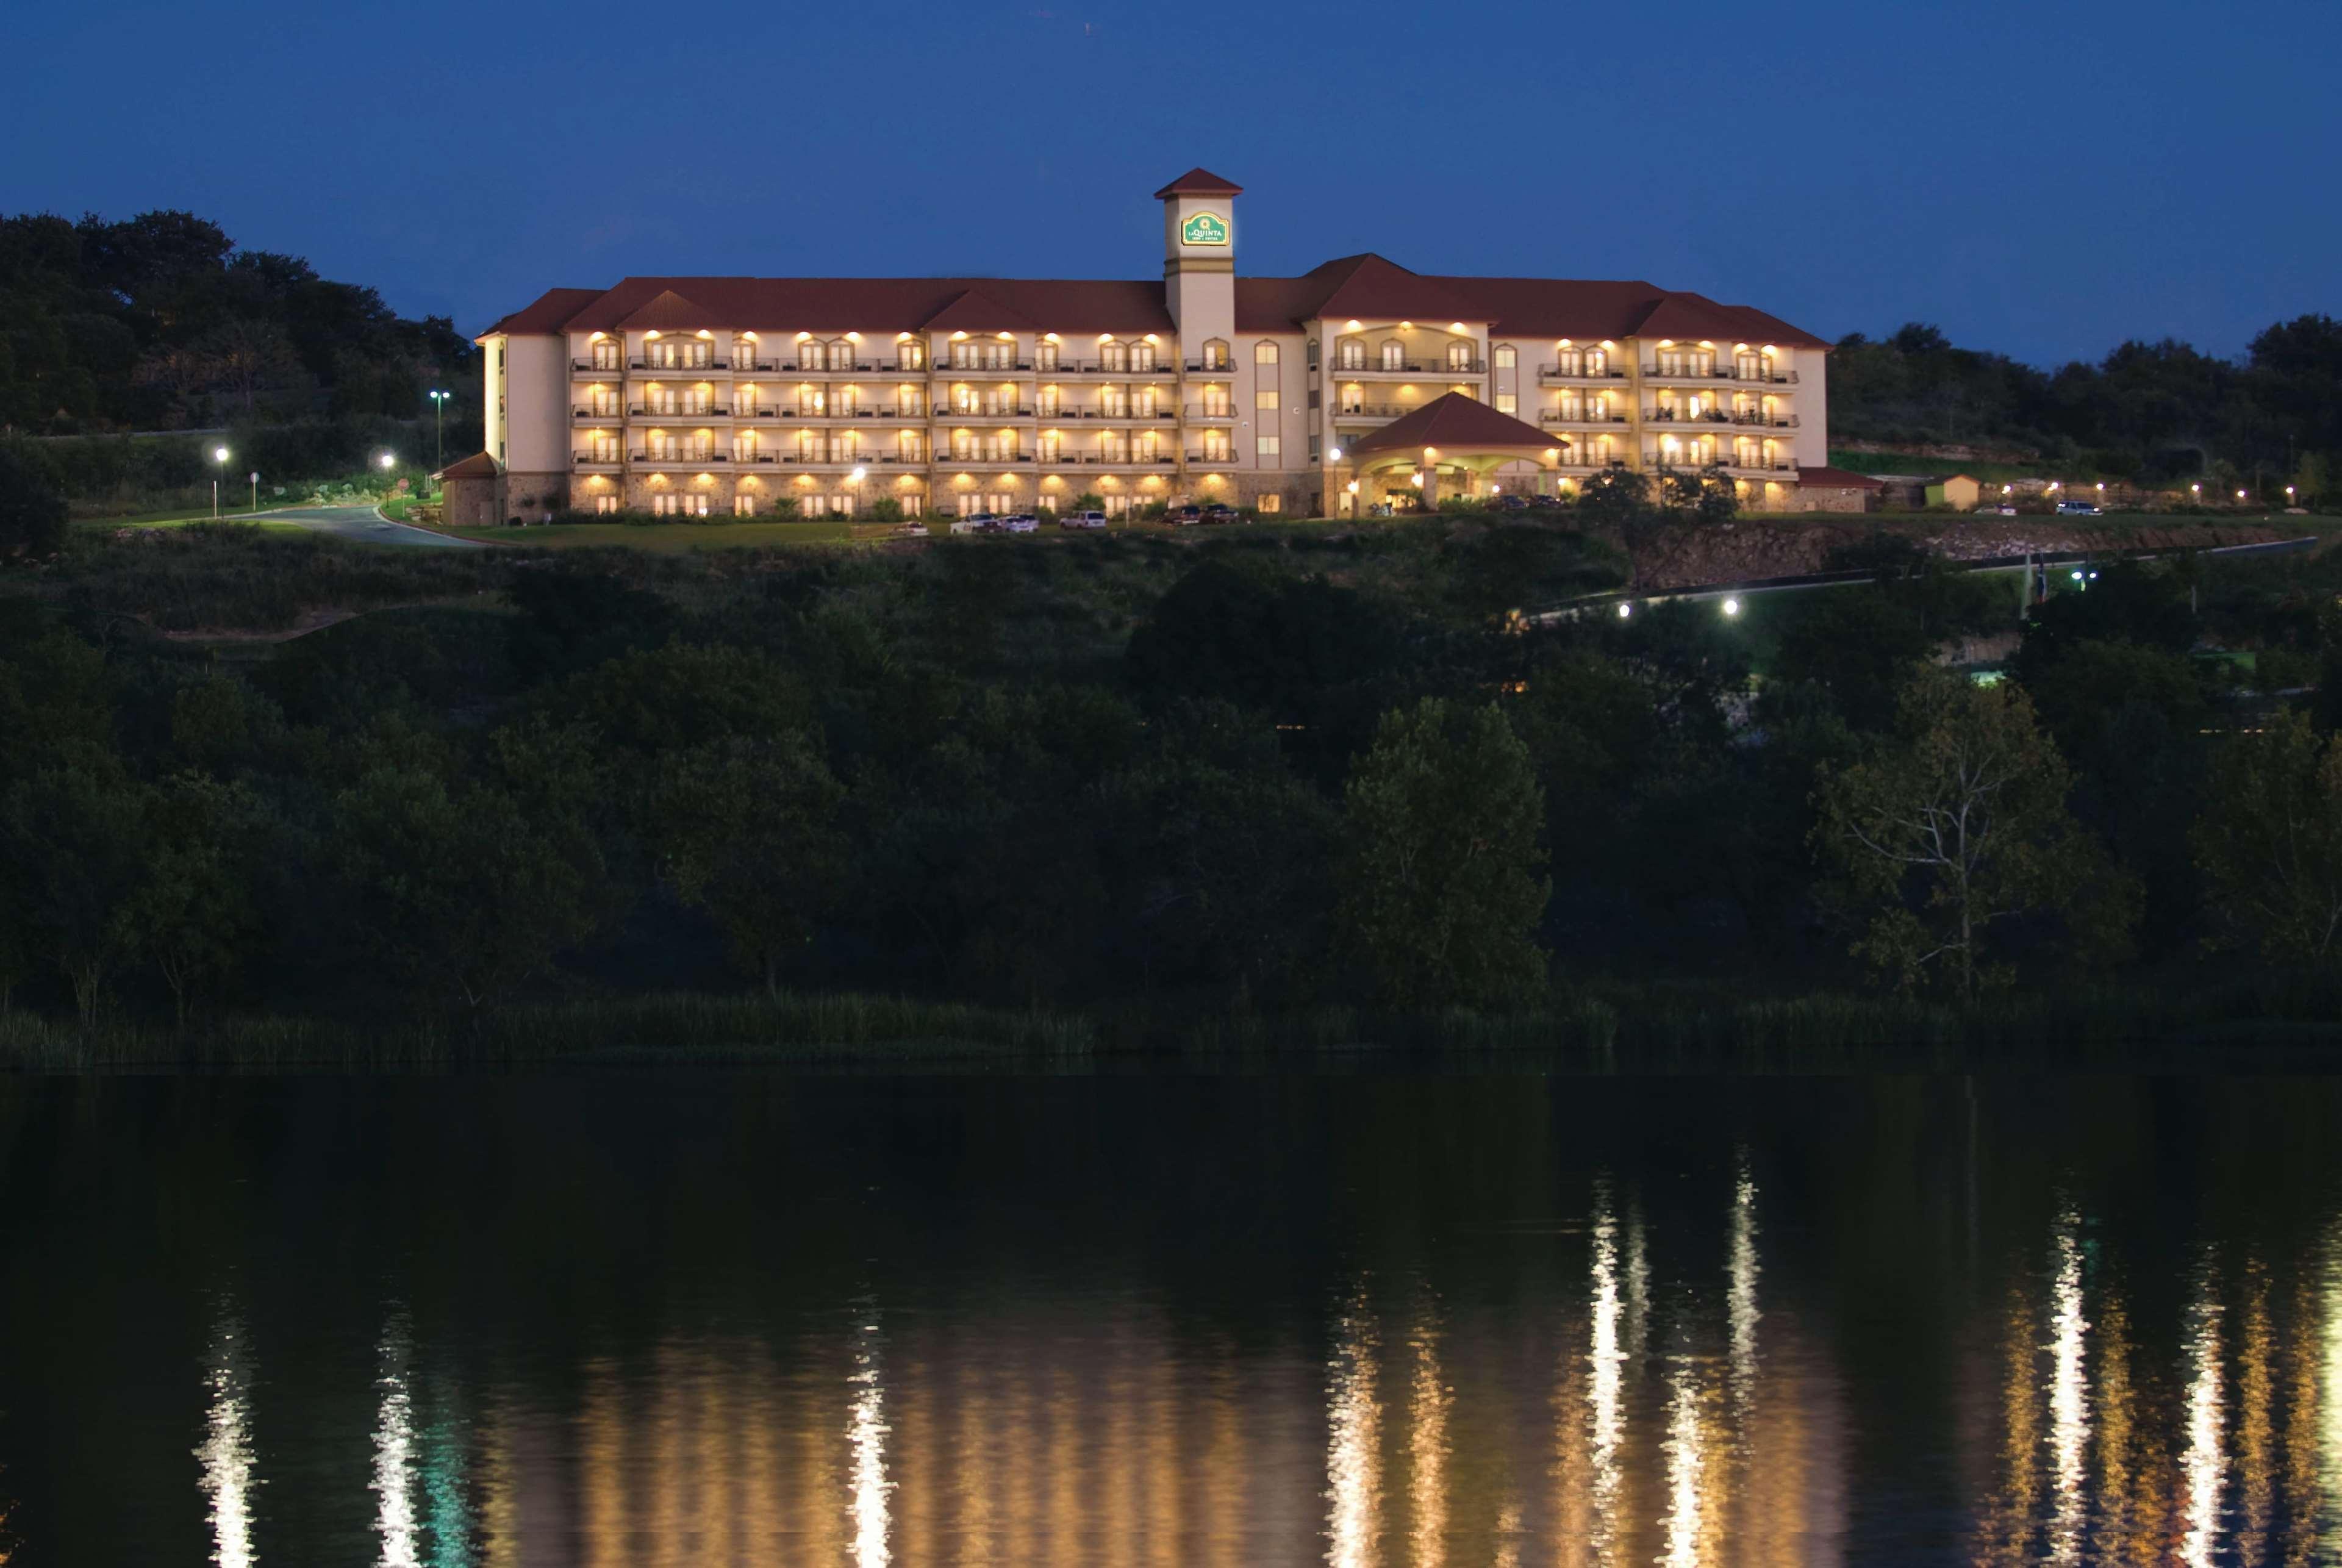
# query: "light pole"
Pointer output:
{"type": "Point", "coordinates": [219, 466]}
{"type": "Point", "coordinates": [386, 460]}
{"type": "Point", "coordinates": [439, 417]}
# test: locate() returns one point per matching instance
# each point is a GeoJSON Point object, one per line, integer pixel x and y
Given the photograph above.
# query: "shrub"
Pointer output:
{"type": "Point", "coordinates": [32, 511]}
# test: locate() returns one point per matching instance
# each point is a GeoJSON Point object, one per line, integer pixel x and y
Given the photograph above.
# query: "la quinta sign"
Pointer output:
{"type": "Point", "coordinates": [1204, 229]}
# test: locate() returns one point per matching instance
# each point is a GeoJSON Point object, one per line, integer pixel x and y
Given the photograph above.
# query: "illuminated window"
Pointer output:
{"type": "Point", "coordinates": [1263, 353]}
{"type": "Point", "coordinates": [1215, 354]}
{"type": "Point", "coordinates": [1268, 450]}
{"type": "Point", "coordinates": [1507, 356]}
{"type": "Point", "coordinates": [1459, 355]}
{"type": "Point", "coordinates": [1272, 504]}
{"type": "Point", "coordinates": [1265, 400]}
{"type": "Point", "coordinates": [1350, 353]}
{"type": "Point", "coordinates": [1507, 403]}
{"type": "Point", "coordinates": [1044, 356]}
{"type": "Point", "coordinates": [1394, 354]}
{"type": "Point", "coordinates": [911, 354]}
{"type": "Point", "coordinates": [1142, 356]}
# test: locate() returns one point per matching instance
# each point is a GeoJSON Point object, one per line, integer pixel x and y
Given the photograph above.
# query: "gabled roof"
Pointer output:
{"type": "Point", "coordinates": [827, 305]}
{"type": "Point", "coordinates": [546, 314]}
{"type": "Point", "coordinates": [479, 465]}
{"type": "Point", "coordinates": [1367, 286]}
{"type": "Point", "coordinates": [976, 311]}
{"type": "Point", "coordinates": [666, 311]}
{"type": "Point", "coordinates": [1455, 422]}
{"type": "Point", "coordinates": [1198, 182]}
{"type": "Point", "coordinates": [1838, 479]}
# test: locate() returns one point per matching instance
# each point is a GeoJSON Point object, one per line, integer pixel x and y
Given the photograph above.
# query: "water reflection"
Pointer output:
{"type": "Point", "coordinates": [1724, 1352]}
{"type": "Point", "coordinates": [226, 1452]}
{"type": "Point", "coordinates": [1353, 1442]}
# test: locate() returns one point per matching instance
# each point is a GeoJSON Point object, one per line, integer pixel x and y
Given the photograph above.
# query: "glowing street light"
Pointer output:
{"type": "Point", "coordinates": [439, 412]}
{"type": "Point", "coordinates": [1625, 610]}
{"type": "Point", "coordinates": [219, 466]}
{"type": "Point", "coordinates": [386, 460]}
{"type": "Point", "coordinates": [2240, 495]}
{"type": "Point", "coordinates": [1732, 606]}
{"type": "Point", "coordinates": [1333, 454]}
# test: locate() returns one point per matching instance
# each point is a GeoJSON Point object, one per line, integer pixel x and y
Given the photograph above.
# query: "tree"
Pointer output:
{"type": "Point", "coordinates": [74, 858]}
{"type": "Point", "coordinates": [32, 515]}
{"type": "Point", "coordinates": [1614, 497]}
{"type": "Point", "coordinates": [459, 891]}
{"type": "Point", "coordinates": [1719, 497]}
{"type": "Point", "coordinates": [746, 830]}
{"type": "Point", "coordinates": [1441, 894]}
{"type": "Point", "coordinates": [195, 913]}
{"type": "Point", "coordinates": [2270, 841]}
{"type": "Point", "coordinates": [1957, 826]}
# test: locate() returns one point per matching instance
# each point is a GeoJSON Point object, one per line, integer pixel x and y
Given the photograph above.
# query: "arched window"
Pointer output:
{"type": "Point", "coordinates": [911, 354]}
{"type": "Point", "coordinates": [1507, 357]}
{"type": "Point", "coordinates": [809, 355]}
{"type": "Point", "coordinates": [1215, 354]}
{"type": "Point", "coordinates": [841, 354]}
{"type": "Point", "coordinates": [1264, 353]}
{"type": "Point", "coordinates": [1459, 354]}
{"type": "Point", "coordinates": [1350, 353]}
{"type": "Point", "coordinates": [1142, 356]}
{"type": "Point", "coordinates": [1394, 354]}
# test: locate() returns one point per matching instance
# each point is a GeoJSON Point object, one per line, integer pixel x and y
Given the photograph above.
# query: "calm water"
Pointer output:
{"type": "Point", "coordinates": [1170, 1320]}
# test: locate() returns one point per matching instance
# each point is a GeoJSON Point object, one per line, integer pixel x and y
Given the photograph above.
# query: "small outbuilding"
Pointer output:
{"type": "Point", "coordinates": [1838, 490]}
{"type": "Point", "coordinates": [472, 492]}
{"type": "Point", "coordinates": [1956, 491]}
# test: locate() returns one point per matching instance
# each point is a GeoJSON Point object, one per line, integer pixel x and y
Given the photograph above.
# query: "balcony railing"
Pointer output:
{"type": "Point", "coordinates": [612, 366]}
{"type": "Point", "coordinates": [1411, 368]}
{"type": "Point", "coordinates": [613, 411]}
{"type": "Point", "coordinates": [1685, 416]}
{"type": "Point", "coordinates": [679, 458]}
{"type": "Point", "coordinates": [1578, 416]}
{"type": "Point", "coordinates": [984, 457]}
{"type": "Point", "coordinates": [1102, 367]}
{"type": "Point", "coordinates": [1723, 372]}
{"type": "Point", "coordinates": [1773, 421]}
{"type": "Point", "coordinates": [1221, 457]}
{"type": "Point", "coordinates": [1555, 372]}
{"type": "Point", "coordinates": [1373, 410]}
{"type": "Point", "coordinates": [680, 368]}
{"type": "Point", "coordinates": [595, 460]}
{"type": "Point", "coordinates": [1211, 411]}
{"type": "Point", "coordinates": [1113, 460]}
{"type": "Point", "coordinates": [1210, 367]}
{"type": "Point", "coordinates": [1010, 367]}
{"type": "Point", "coordinates": [739, 455]}
{"type": "Point", "coordinates": [711, 411]}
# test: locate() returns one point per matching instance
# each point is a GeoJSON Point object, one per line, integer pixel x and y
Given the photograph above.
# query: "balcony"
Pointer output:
{"type": "Point", "coordinates": [1217, 459]}
{"type": "Point", "coordinates": [1210, 367]}
{"type": "Point", "coordinates": [1765, 377]}
{"type": "Point", "coordinates": [684, 459]}
{"type": "Point", "coordinates": [1160, 370]}
{"type": "Point", "coordinates": [596, 461]}
{"type": "Point", "coordinates": [695, 368]}
{"type": "Point", "coordinates": [1762, 465]}
{"type": "Point", "coordinates": [1418, 367]}
{"type": "Point", "coordinates": [1372, 412]}
{"type": "Point", "coordinates": [1215, 412]}
{"type": "Point", "coordinates": [711, 411]}
{"type": "Point", "coordinates": [1553, 375]}
{"type": "Point", "coordinates": [849, 416]}
{"type": "Point", "coordinates": [1768, 421]}
{"type": "Point", "coordinates": [1112, 460]}
{"type": "Point", "coordinates": [977, 415]}
{"type": "Point", "coordinates": [986, 459]}
{"type": "Point", "coordinates": [1683, 416]}
{"type": "Point", "coordinates": [612, 366]}
{"type": "Point", "coordinates": [1112, 416]}
{"type": "Point", "coordinates": [745, 455]}
{"type": "Point", "coordinates": [1578, 416]}
{"type": "Point", "coordinates": [596, 416]}
{"type": "Point", "coordinates": [1002, 367]}
{"type": "Point", "coordinates": [1687, 372]}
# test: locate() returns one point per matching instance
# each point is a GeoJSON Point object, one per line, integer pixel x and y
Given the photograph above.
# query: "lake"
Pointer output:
{"type": "Point", "coordinates": [1371, 1317]}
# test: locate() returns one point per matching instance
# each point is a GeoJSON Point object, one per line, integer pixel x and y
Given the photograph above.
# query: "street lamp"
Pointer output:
{"type": "Point", "coordinates": [439, 412]}
{"type": "Point", "coordinates": [219, 466]}
{"type": "Point", "coordinates": [1732, 606]}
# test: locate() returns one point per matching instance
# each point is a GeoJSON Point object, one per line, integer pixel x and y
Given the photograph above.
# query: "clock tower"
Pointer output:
{"type": "Point", "coordinates": [1199, 249]}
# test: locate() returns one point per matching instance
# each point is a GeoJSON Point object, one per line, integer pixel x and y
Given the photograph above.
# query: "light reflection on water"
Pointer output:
{"type": "Point", "coordinates": [1728, 1354]}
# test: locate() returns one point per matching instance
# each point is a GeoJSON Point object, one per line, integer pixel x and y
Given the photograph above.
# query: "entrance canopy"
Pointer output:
{"type": "Point", "coordinates": [1456, 433]}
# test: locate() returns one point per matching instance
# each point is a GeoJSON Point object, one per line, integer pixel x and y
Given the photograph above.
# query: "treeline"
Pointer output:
{"type": "Point", "coordinates": [1252, 774]}
{"type": "Point", "coordinates": [160, 322]}
{"type": "Point", "coordinates": [2155, 413]}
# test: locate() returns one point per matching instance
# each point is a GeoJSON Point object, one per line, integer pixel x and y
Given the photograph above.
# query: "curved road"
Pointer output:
{"type": "Point", "coordinates": [362, 523]}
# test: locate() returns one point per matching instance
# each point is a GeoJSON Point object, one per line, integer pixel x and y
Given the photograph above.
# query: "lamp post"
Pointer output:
{"type": "Point", "coordinates": [439, 417]}
{"type": "Point", "coordinates": [856, 479]}
{"type": "Point", "coordinates": [219, 466]}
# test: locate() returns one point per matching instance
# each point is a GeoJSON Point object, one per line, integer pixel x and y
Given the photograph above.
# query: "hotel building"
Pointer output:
{"type": "Point", "coordinates": [1355, 384]}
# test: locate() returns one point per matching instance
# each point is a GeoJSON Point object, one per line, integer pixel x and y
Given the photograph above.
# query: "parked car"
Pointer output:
{"type": "Point", "coordinates": [975, 523]}
{"type": "Point", "coordinates": [1218, 514]}
{"type": "Point", "coordinates": [2078, 509]}
{"type": "Point", "coordinates": [1021, 522]}
{"type": "Point", "coordinates": [1183, 516]}
{"type": "Point", "coordinates": [1995, 511]}
{"type": "Point", "coordinates": [1508, 504]}
{"type": "Point", "coordinates": [913, 530]}
{"type": "Point", "coordinates": [1081, 520]}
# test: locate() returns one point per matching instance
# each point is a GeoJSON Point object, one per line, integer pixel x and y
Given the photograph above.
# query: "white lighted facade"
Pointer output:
{"type": "Point", "coordinates": [720, 395]}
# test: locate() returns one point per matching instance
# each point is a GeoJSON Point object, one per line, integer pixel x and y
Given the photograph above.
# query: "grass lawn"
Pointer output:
{"type": "Point", "coordinates": [180, 519]}
{"type": "Point", "coordinates": [668, 538]}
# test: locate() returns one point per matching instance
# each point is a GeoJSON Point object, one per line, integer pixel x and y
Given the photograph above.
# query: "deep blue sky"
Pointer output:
{"type": "Point", "coordinates": [2045, 178]}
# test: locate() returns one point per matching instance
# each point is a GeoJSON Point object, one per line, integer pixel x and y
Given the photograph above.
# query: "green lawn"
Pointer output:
{"type": "Point", "coordinates": [180, 519]}
{"type": "Point", "coordinates": [669, 538]}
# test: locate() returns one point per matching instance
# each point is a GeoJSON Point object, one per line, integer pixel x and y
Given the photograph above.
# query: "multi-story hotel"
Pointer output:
{"type": "Point", "coordinates": [1353, 385]}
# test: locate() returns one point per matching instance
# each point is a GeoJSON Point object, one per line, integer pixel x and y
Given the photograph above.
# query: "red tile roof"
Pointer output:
{"type": "Point", "coordinates": [668, 310]}
{"type": "Point", "coordinates": [1456, 422]}
{"type": "Point", "coordinates": [479, 465]}
{"type": "Point", "coordinates": [976, 311]}
{"type": "Point", "coordinates": [1838, 479]}
{"type": "Point", "coordinates": [552, 307]}
{"type": "Point", "coordinates": [1364, 287]}
{"type": "Point", "coordinates": [1198, 182]}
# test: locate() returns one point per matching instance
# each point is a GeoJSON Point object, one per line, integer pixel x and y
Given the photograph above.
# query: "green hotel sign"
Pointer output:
{"type": "Point", "coordinates": [1204, 229]}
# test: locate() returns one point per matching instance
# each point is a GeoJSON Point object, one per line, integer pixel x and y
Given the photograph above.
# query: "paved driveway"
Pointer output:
{"type": "Point", "coordinates": [361, 523]}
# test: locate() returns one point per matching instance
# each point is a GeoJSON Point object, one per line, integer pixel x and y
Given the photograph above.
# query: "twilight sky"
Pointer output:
{"type": "Point", "coordinates": [2045, 177]}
